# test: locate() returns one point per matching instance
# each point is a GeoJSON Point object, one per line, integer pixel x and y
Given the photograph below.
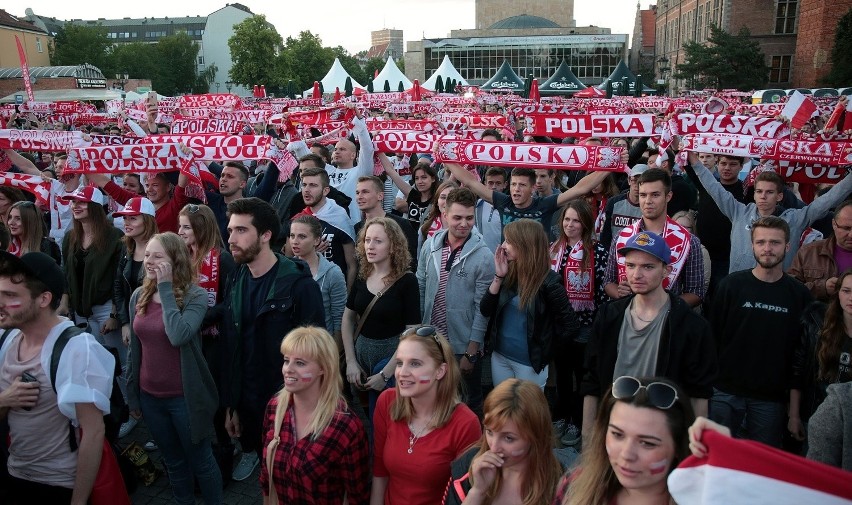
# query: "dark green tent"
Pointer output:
{"type": "Point", "coordinates": [504, 80]}
{"type": "Point", "coordinates": [562, 82]}
{"type": "Point", "coordinates": [616, 78]}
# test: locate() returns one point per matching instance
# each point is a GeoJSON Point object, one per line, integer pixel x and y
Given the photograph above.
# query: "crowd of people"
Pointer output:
{"type": "Point", "coordinates": [432, 334]}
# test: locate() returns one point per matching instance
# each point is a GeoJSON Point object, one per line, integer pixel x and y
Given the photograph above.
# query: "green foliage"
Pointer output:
{"type": "Point", "coordinates": [178, 72]}
{"type": "Point", "coordinates": [725, 62]}
{"type": "Point", "coordinates": [372, 66]}
{"type": "Point", "coordinates": [841, 70]}
{"type": "Point", "coordinates": [255, 47]}
{"type": "Point", "coordinates": [75, 45]}
{"type": "Point", "coordinates": [204, 81]}
{"type": "Point", "coordinates": [304, 60]}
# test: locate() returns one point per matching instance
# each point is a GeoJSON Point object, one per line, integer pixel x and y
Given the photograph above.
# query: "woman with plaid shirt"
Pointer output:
{"type": "Point", "coordinates": [316, 447]}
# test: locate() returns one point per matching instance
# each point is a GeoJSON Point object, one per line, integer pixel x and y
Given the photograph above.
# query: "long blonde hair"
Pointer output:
{"type": "Point", "coordinates": [527, 272]}
{"type": "Point", "coordinates": [182, 273]}
{"type": "Point", "coordinates": [523, 403]}
{"type": "Point", "coordinates": [447, 397]}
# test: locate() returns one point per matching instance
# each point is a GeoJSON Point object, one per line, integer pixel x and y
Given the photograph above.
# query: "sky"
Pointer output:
{"type": "Point", "coordinates": [338, 22]}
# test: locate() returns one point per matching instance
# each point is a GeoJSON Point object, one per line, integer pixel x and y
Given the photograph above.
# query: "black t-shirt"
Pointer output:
{"type": "Point", "coordinates": [256, 291]}
{"type": "Point", "coordinates": [398, 307]}
{"type": "Point", "coordinates": [135, 266]}
{"type": "Point", "coordinates": [337, 238]}
{"type": "Point", "coordinates": [417, 211]}
{"type": "Point", "coordinates": [844, 369]}
{"type": "Point", "coordinates": [541, 209]}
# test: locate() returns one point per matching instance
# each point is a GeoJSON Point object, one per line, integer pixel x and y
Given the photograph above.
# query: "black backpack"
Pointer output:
{"type": "Point", "coordinates": [118, 412]}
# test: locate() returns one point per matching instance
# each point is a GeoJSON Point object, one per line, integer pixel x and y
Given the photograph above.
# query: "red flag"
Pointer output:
{"type": "Point", "coordinates": [534, 93]}
{"type": "Point", "coordinates": [316, 93]}
{"type": "Point", "coordinates": [25, 70]}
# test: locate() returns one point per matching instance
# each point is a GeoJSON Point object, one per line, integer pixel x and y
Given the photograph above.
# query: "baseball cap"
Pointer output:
{"type": "Point", "coordinates": [88, 194]}
{"type": "Point", "coordinates": [39, 266]}
{"type": "Point", "coordinates": [638, 169]}
{"type": "Point", "coordinates": [137, 206]}
{"type": "Point", "coordinates": [648, 242]}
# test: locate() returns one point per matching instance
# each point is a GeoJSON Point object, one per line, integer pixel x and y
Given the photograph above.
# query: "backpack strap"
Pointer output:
{"type": "Point", "coordinates": [59, 346]}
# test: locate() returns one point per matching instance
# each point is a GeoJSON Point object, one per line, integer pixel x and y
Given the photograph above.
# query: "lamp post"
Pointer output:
{"type": "Point", "coordinates": [217, 86]}
{"type": "Point", "coordinates": [121, 80]}
{"type": "Point", "coordinates": [229, 85]}
{"type": "Point", "coordinates": [663, 68]}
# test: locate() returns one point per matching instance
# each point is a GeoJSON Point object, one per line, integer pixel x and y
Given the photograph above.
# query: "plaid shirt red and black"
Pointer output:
{"type": "Point", "coordinates": [321, 471]}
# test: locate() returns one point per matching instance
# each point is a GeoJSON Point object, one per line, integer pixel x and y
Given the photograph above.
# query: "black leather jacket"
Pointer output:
{"type": "Point", "coordinates": [550, 318]}
{"type": "Point", "coordinates": [805, 365]}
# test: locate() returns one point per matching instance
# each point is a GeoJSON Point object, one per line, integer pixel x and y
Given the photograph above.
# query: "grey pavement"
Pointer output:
{"type": "Point", "coordinates": [246, 492]}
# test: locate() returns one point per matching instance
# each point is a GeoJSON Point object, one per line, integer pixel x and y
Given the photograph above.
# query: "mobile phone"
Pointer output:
{"type": "Point", "coordinates": [28, 377]}
{"type": "Point", "coordinates": [152, 97]}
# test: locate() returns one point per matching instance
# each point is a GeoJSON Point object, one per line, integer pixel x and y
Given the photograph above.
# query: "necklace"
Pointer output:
{"type": "Point", "coordinates": [640, 318]}
{"type": "Point", "coordinates": [416, 436]}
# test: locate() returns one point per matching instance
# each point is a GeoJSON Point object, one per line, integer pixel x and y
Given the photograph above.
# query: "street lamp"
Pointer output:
{"type": "Point", "coordinates": [229, 85]}
{"type": "Point", "coordinates": [663, 67]}
{"type": "Point", "coordinates": [217, 87]}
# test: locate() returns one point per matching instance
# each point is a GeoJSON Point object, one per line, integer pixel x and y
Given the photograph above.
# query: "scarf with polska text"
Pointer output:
{"type": "Point", "coordinates": [677, 238]}
{"type": "Point", "coordinates": [140, 158]}
{"type": "Point", "coordinates": [209, 101]}
{"type": "Point", "coordinates": [523, 155]}
{"type": "Point", "coordinates": [208, 279]}
{"type": "Point", "coordinates": [588, 125]}
{"type": "Point", "coordinates": [40, 140]}
{"type": "Point", "coordinates": [821, 152]}
{"type": "Point", "coordinates": [579, 284]}
{"type": "Point", "coordinates": [30, 183]}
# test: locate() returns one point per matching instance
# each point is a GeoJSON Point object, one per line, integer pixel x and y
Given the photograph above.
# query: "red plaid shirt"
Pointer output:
{"type": "Point", "coordinates": [321, 471]}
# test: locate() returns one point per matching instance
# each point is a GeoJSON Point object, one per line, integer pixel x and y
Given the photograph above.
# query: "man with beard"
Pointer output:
{"type": "Point", "coordinates": [818, 264]}
{"type": "Point", "coordinates": [268, 296]}
{"type": "Point", "coordinates": [755, 319]}
{"type": "Point", "coordinates": [232, 186]}
{"type": "Point", "coordinates": [44, 463]}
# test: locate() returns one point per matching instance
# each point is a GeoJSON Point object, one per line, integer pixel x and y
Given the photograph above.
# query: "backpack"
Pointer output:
{"type": "Point", "coordinates": [118, 412]}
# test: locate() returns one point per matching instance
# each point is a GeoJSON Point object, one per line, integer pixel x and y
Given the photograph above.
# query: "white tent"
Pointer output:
{"type": "Point", "coordinates": [445, 70]}
{"type": "Point", "coordinates": [392, 75]}
{"type": "Point", "coordinates": [335, 78]}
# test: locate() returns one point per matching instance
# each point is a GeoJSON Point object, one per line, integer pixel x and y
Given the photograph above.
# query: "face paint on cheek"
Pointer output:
{"type": "Point", "coordinates": [14, 305]}
{"type": "Point", "coordinates": [519, 452]}
{"type": "Point", "coordinates": [425, 379]}
{"type": "Point", "coordinates": [658, 467]}
{"type": "Point", "coordinates": [307, 377]}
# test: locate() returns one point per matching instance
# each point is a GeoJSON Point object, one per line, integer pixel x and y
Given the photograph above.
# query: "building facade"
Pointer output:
{"type": "Point", "coordinates": [643, 42]}
{"type": "Point", "coordinates": [532, 44]}
{"type": "Point", "coordinates": [385, 42]}
{"type": "Point", "coordinates": [34, 40]}
{"type": "Point", "coordinates": [817, 26]}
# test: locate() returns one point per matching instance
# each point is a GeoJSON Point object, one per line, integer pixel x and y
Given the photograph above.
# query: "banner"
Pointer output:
{"type": "Point", "coordinates": [141, 158]}
{"type": "Point", "coordinates": [831, 153]}
{"type": "Point", "coordinates": [684, 124]}
{"type": "Point", "coordinates": [183, 125]}
{"type": "Point", "coordinates": [210, 100]}
{"type": "Point", "coordinates": [114, 140]}
{"type": "Point", "coordinates": [218, 146]}
{"type": "Point", "coordinates": [810, 174]}
{"type": "Point", "coordinates": [521, 155]}
{"type": "Point", "coordinates": [587, 125]}
{"type": "Point", "coordinates": [25, 70]}
{"type": "Point", "coordinates": [40, 140]}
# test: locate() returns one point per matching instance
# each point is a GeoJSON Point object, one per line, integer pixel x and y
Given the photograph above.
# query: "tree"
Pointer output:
{"type": "Point", "coordinates": [255, 47]}
{"type": "Point", "coordinates": [725, 62]}
{"type": "Point", "coordinates": [841, 71]}
{"type": "Point", "coordinates": [139, 60]}
{"type": "Point", "coordinates": [304, 59]}
{"type": "Point", "coordinates": [205, 79]}
{"type": "Point", "coordinates": [178, 55]}
{"type": "Point", "coordinates": [76, 44]}
{"type": "Point", "coordinates": [372, 66]}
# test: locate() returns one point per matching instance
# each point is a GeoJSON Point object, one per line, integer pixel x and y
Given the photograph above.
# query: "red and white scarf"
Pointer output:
{"type": "Point", "coordinates": [676, 236]}
{"type": "Point", "coordinates": [579, 284]}
{"type": "Point", "coordinates": [208, 278]}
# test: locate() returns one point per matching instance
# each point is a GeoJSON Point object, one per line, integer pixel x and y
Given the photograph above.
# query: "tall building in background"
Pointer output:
{"type": "Point", "coordinates": [817, 26]}
{"type": "Point", "coordinates": [533, 36]}
{"type": "Point", "coordinates": [642, 44]}
{"type": "Point", "coordinates": [385, 42]}
{"type": "Point", "coordinates": [34, 39]}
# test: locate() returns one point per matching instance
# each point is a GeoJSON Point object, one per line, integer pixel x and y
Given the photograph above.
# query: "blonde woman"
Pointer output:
{"type": "Point", "coordinates": [316, 448]}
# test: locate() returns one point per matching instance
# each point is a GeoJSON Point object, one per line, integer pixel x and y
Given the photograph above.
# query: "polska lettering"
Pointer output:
{"type": "Point", "coordinates": [684, 124]}
{"type": "Point", "coordinates": [40, 140]}
{"type": "Point", "coordinates": [512, 154]}
{"type": "Point", "coordinates": [801, 151]}
{"type": "Point", "coordinates": [585, 125]}
{"type": "Point", "coordinates": [182, 126]}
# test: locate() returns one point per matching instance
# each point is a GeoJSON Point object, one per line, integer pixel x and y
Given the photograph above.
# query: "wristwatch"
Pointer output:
{"type": "Point", "coordinates": [473, 358]}
{"type": "Point", "coordinates": [113, 315]}
{"type": "Point", "coordinates": [383, 376]}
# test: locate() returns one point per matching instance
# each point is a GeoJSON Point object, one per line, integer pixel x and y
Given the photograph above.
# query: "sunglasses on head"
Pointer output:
{"type": "Point", "coordinates": [193, 208]}
{"type": "Point", "coordinates": [660, 395]}
{"type": "Point", "coordinates": [431, 333]}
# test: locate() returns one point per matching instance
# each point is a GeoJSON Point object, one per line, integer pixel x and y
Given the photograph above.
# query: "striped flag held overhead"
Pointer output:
{"type": "Point", "coordinates": [799, 109]}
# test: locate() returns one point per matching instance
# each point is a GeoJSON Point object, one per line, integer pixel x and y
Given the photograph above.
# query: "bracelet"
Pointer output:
{"type": "Point", "coordinates": [498, 277]}
{"type": "Point", "coordinates": [383, 376]}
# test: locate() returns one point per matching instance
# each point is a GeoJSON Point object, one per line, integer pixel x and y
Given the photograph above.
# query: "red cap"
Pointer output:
{"type": "Point", "coordinates": [88, 194]}
{"type": "Point", "coordinates": [137, 206]}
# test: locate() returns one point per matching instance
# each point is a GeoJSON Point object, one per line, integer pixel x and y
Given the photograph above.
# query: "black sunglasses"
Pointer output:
{"type": "Point", "coordinates": [430, 332]}
{"type": "Point", "coordinates": [193, 208]}
{"type": "Point", "coordinates": [660, 395]}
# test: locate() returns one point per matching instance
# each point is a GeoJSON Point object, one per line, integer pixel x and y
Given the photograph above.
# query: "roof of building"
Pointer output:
{"type": "Point", "coordinates": [378, 51]}
{"type": "Point", "coordinates": [84, 70]}
{"type": "Point", "coordinates": [11, 21]}
{"type": "Point", "coordinates": [649, 27]}
{"type": "Point", "coordinates": [200, 20]}
{"type": "Point", "coordinates": [523, 22]}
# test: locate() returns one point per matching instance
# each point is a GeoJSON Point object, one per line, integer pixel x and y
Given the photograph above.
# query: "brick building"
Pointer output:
{"type": "Point", "coordinates": [489, 12]}
{"type": "Point", "coordinates": [817, 25]}
{"type": "Point", "coordinates": [643, 42]}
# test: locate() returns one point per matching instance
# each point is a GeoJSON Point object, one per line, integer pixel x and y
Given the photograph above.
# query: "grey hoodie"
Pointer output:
{"type": "Point", "coordinates": [467, 282]}
{"type": "Point", "coordinates": [333, 287]}
{"type": "Point", "coordinates": [830, 428]}
{"type": "Point", "coordinates": [743, 215]}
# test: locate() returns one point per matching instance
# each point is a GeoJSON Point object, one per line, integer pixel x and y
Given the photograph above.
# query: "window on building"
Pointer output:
{"type": "Point", "coordinates": [785, 16]}
{"type": "Point", "coordinates": [200, 59]}
{"type": "Point", "coordinates": [38, 45]}
{"type": "Point", "coordinates": [779, 70]}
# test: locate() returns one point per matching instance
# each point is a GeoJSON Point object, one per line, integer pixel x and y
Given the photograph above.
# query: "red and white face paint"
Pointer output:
{"type": "Point", "coordinates": [640, 447]}
{"type": "Point", "coordinates": [300, 373]}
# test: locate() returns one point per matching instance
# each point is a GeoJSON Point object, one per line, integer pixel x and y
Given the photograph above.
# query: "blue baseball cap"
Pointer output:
{"type": "Point", "coordinates": [648, 242]}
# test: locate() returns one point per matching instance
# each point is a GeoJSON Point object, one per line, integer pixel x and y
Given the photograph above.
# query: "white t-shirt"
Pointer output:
{"type": "Point", "coordinates": [60, 210]}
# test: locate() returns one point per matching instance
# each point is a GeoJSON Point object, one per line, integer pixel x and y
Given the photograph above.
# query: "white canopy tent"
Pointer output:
{"type": "Point", "coordinates": [446, 69]}
{"type": "Point", "coordinates": [393, 76]}
{"type": "Point", "coordinates": [335, 78]}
